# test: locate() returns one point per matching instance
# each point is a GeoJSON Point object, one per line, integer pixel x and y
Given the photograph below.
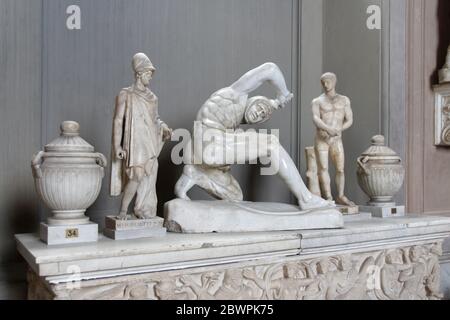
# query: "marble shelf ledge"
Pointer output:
{"type": "Point", "coordinates": [109, 258]}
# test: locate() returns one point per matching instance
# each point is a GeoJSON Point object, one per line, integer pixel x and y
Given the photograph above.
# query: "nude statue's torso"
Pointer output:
{"type": "Point", "coordinates": [332, 113]}
{"type": "Point", "coordinates": [223, 110]}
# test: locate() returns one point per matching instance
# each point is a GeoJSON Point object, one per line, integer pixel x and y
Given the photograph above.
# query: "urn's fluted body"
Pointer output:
{"type": "Point", "coordinates": [380, 173]}
{"type": "Point", "coordinates": [68, 176]}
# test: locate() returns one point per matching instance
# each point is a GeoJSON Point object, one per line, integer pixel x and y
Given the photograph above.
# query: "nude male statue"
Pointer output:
{"type": "Point", "coordinates": [220, 116]}
{"type": "Point", "coordinates": [332, 116]}
{"type": "Point", "coordinates": [138, 137]}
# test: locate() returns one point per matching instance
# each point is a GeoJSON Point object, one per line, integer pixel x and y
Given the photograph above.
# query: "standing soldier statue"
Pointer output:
{"type": "Point", "coordinates": [138, 137]}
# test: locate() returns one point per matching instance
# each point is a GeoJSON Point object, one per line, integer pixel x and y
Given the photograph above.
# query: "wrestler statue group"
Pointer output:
{"type": "Point", "coordinates": [139, 135]}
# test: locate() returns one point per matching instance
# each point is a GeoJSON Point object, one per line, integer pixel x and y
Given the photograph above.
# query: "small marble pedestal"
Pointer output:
{"type": "Point", "coordinates": [348, 210]}
{"type": "Point", "coordinates": [385, 211]}
{"type": "Point", "coordinates": [68, 234]}
{"type": "Point", "coordinates": [133, 228]}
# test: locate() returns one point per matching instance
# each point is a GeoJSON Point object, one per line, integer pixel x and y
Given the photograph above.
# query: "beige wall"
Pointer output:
{"type": "Point", "coordinates": [428, 178]}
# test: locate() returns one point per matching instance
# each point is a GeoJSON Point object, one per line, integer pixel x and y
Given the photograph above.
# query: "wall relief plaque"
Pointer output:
{"type": "Point", "coordinates": [442, 115]}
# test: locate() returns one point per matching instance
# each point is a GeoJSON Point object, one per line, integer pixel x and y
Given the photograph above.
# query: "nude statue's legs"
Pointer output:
{"type": "Point", "coordinates": [185, 183]}
{"type": "Point", "coordinates": [322, 149]}
{"type": "Point", "coordinates": [268, 72]}
{"type": "Point", "coordinates": [338, 159]}
{"type": "Point", "coordinates": [217, 182]}
{"type": "Point", "coordinates": [251, 146]}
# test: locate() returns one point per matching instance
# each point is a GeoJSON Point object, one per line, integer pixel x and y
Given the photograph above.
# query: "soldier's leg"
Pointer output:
{"type": "Point", "coordinates": [134, 176]}
{"type": "Point", "coordinates": [322, 148]}
{"type": "Point", "coordinates": [146, 199]}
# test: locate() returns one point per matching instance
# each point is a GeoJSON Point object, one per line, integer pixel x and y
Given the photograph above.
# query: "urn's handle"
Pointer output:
{"type": "Point", "coordinates": [361, 163]}
{"type": "Point", "coordinates": [101, 160]}
{"type": "Point", "coordinates": [36, 165]}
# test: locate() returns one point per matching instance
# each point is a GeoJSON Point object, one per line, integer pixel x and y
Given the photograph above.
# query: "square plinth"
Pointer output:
{"type": "Point", "coordinates": [348, 210]}
{"type": "Point", "coordinates": [385, 212]}
{"type": "Point", "coordinates": [65, 234]}
{"type": "Point", "coordinates": [133, 228]}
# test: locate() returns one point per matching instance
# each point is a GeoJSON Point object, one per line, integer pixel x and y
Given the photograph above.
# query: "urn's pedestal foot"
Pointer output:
{"type": "Point", "coordinates": [385, 211]}
{"type": "Point", "coordinates": [68, 234]}
{"type": "Point", "coordinates": [133, 228]}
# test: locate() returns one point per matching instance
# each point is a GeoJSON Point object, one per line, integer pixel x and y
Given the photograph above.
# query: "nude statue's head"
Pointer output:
{"type": "Point", "coordinates": [258, 110]}
{"type": "Point", "coordinates": [143, 68]}
{"type": "Point", "coordinates": [328, 81]}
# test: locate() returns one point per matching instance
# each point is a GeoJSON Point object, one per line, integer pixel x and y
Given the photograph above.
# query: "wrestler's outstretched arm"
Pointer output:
{"type": "Point", "coordinates": [268, 72]}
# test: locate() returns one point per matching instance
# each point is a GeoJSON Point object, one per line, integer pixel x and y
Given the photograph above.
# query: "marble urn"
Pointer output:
{"type": "Point", "coordinates": [380, 173]}
{"type": "Point", "coordinates": [68, 176]}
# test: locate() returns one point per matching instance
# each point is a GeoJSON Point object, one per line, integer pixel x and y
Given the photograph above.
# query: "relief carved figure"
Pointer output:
{"type": "Point", "coordinates": [446, 121]}
{"type": "Point", "coordinates": [138, 137]}
{"type": "Point", "coordinates": [433, 274]}
{"type": "Point", "coordinates": [413, 278]}
{"type": "Point", "coordinates": [168, 290]}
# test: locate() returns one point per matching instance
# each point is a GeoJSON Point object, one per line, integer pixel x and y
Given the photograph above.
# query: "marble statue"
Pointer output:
{"type": "Point", "coordinates": [444, 73]}
{"type": "Point", "coordinates": [208, 165]}
{"type": "Point", "coordinates": [332, 116]}
{"type": "Point", "coordinates": [138, 137]}
{"type": "Point", "coordinates": [220, 116]}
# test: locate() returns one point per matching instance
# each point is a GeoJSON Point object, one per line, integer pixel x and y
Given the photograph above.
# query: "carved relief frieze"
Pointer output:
{"type": "Point", "coordinates": [410, 273]}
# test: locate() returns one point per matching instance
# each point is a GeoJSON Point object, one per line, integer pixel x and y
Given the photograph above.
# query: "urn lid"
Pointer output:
{"type": "Point", "coordinates": [69, 140]}
{"type": "Point", "coordinates": [379, 149]}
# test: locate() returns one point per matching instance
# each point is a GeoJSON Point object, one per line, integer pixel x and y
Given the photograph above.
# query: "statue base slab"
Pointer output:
{"type": "Point", "coordinates": [348, 210]}
{"type": "Point", "coordinates": [223, 216]}
{"type": "Point", "coordinates": [310, 264]}
{"type": "Point", "coordinates": [68, 234]}
{"type": "Point", "coordinates": [133, 228]}
{"type": "Point", "coordinates": [386, 211]}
